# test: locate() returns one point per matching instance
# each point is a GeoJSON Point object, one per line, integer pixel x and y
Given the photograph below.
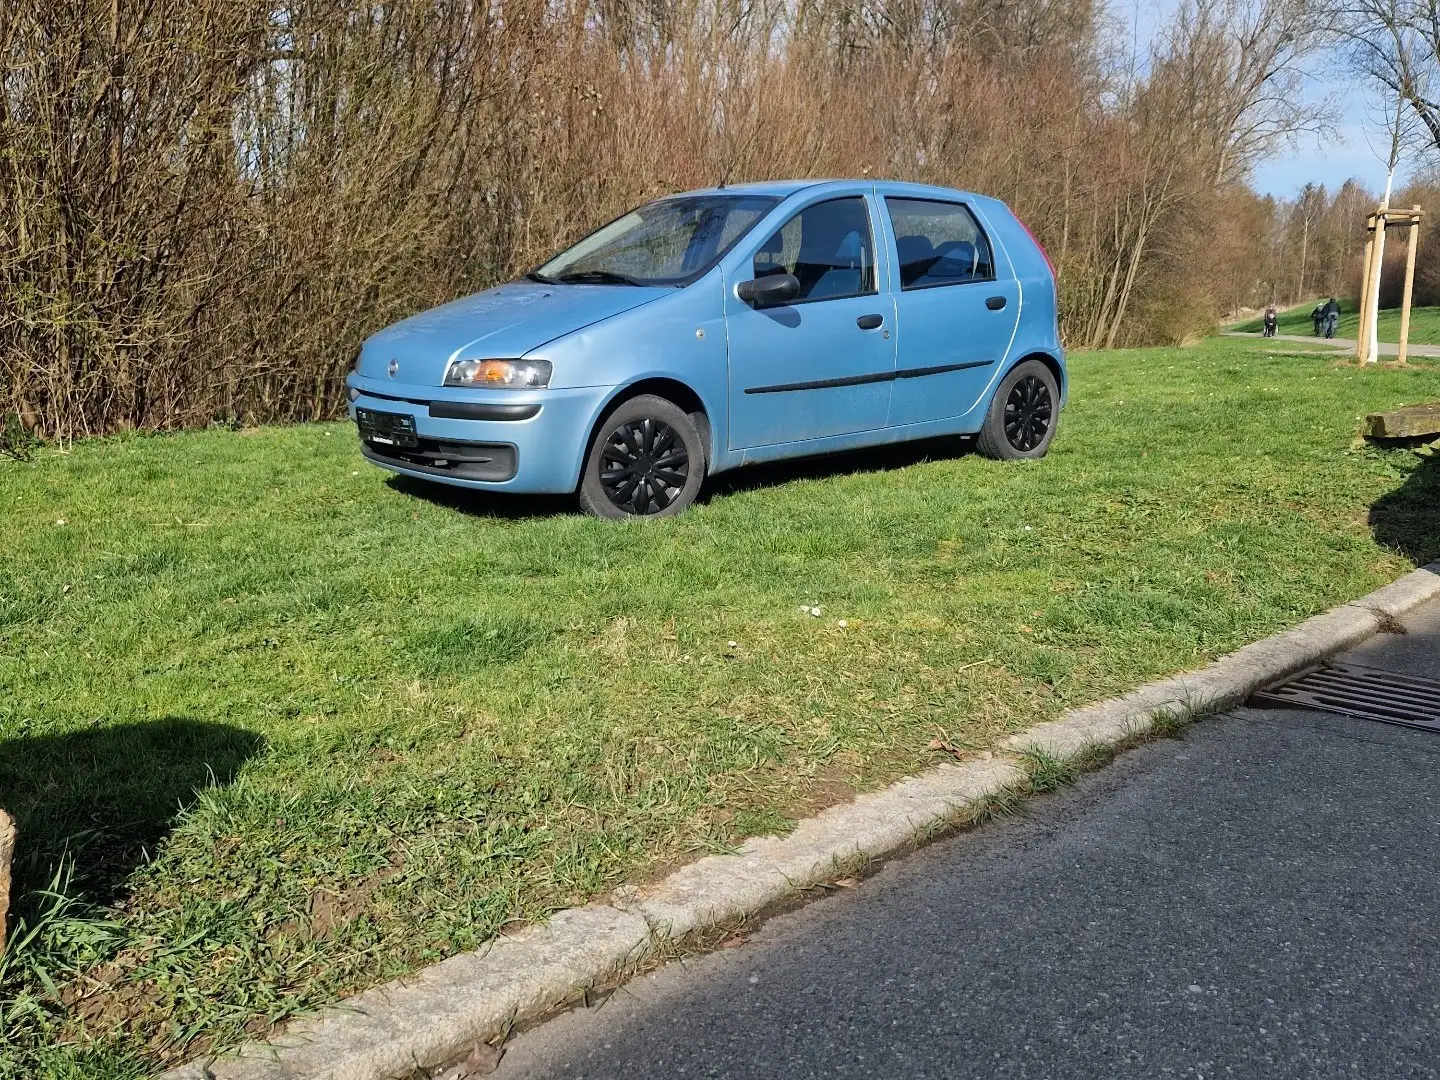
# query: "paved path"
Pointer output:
{"type": "Point", "coordinates": [1260, 898]}
{"type": "Point", "coordinates": [1387, 348]}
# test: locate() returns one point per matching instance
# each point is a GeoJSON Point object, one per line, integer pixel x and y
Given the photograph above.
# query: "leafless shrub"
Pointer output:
{"type": "Point", "coordinates": [205, 205]}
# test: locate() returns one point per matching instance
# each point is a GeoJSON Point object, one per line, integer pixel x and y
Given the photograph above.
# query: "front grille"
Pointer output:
{"type": "Point", "coordinates": [491, 462]}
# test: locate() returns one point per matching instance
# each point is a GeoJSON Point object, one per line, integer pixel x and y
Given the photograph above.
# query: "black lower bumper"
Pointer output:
{"type": "Point", "coordinates": [491, 462]}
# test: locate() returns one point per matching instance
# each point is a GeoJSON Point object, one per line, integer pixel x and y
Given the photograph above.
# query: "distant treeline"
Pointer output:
{"type": "Point", "coordinates": [205, 205]}
{"type": "Point", "coordinates": [1313, 245]}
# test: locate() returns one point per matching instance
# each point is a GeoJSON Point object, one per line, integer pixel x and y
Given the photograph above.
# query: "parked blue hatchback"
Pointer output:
{"type": "Point", "coordinates": [709, 330]}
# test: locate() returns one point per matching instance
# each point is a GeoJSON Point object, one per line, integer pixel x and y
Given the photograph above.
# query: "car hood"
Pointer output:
{"type": "Point", "coordinates": [507, 321]}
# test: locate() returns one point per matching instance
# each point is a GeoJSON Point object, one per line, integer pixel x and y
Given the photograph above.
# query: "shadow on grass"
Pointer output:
{"type": "Point", "coordinates": [845, 463]}
{"type": "Point", "coordinates": [106, 796]}
{"type": "Point", "coordinates": [748, 478]}
{"type": "Point", "coordinates": [483, 503]}
{"type": "Point", "coordinates": [1408, 518]}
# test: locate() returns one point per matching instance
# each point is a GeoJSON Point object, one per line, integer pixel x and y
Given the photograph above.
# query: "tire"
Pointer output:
{"type": "Point", "coordinates": [1023, 414]}
{"type": "Point", "coordinates": [647, 460]}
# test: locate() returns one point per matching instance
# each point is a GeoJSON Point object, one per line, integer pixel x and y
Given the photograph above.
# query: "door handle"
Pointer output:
{"type": "Point", "coordinates": [995, 303]}
{"type": "Point", "coordinates": [869, 322]}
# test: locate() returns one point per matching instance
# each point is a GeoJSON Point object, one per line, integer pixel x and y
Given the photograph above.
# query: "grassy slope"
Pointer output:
{"type": "Point", "coordinates": [426, 718]}
{"type": "Point", "coordinates": [1424, 323]}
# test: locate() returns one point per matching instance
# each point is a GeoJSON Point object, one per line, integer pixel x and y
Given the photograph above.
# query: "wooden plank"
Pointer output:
{"type": "Point", "coordinates": [7, 852]}
{"type": "Point", "coordinates": [1404, 423]}
{"type": "Point", "coordinates": [1362, 332]}
{"type": "Point", "coordinates": [1414, 238]}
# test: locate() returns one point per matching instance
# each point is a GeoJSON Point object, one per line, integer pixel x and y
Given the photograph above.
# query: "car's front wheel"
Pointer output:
{"type": "Point", "coordinates": [1023, 413]}
{"type": "Point", "coordinates": [647, 460]}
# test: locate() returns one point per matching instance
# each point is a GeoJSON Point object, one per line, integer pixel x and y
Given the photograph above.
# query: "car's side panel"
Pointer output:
{"type": "Point", "coordinates": [1038, 330]}
{"type": "Point", "coordinates": [885, 436]}
{"type": "Point", "coordinates": [950, 338]}
{"type": "Point", "coordinates": [809, 369]}
{"type": "Point", "coordinates": [950, 345]}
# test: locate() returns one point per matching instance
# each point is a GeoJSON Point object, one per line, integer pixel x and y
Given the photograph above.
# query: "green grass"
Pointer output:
{"type": "Point", "coordinates": [276, 727]}
{"type": "Point", "coordinates": [1424, 322]}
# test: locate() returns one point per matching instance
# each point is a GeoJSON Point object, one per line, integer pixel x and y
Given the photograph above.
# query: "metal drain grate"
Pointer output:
{"type": "Point", "coordinates": [1355, 690]}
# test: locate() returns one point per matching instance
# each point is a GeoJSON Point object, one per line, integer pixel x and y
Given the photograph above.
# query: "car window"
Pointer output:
{"type": "Point", "coordinates": [669, 242]}
{"type": "Point", "coordinates": [939, 243]}
{"type": "Point", "coordinates": [828, 246]}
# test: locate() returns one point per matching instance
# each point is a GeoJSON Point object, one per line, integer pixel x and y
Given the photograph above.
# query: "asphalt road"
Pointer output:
{"type": "Point", "coordinates": [1260, 898]}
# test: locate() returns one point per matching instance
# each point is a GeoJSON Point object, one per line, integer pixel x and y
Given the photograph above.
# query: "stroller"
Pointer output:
{"type": "Point", "coordinates": [1271, 321]}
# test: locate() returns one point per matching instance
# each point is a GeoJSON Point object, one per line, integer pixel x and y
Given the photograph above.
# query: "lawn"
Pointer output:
{"type": "Point", "coordinates": [277, 727]}
{"type": "Point", "coordinates": [1424, 322]}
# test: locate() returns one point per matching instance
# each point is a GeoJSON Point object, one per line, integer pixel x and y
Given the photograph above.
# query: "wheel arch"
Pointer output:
{"type": "Point", "coordinates": [1053, 363]}
{"type": "Point", "coordinates": [671, 389]}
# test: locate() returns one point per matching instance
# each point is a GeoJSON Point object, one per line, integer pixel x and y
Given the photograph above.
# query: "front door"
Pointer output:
{"type": "Point", "coordinates": [957, 316]}
{"type": "Point", "coordinates": [822, 364]}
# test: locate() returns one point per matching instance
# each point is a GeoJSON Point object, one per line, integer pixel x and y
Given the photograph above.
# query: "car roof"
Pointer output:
{"type": "Point", "coordinates": [786, 188]}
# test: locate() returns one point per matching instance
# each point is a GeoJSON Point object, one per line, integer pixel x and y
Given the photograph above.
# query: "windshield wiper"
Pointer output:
{"type": "Point", "coordinates": [599, 277]}
{"type": "Point", "coordinates": [535, 275]}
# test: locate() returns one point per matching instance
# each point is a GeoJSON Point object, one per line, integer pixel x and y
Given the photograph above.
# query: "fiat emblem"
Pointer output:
{"type": "Point", "coordinates": [394, 367]}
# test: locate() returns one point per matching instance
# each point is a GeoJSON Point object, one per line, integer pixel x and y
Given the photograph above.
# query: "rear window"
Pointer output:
{"type": "Point", "coordinates": [939, 243]}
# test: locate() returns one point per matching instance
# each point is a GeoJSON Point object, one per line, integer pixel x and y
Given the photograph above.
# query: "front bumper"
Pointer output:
{"type": "Point", "coordinates": [499, 440]}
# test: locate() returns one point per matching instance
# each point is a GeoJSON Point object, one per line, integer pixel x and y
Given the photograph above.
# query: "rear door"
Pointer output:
{"type": "Point", "coordinates": [956, 313]}
{"type": "Point", "coordinates": [822, 364]}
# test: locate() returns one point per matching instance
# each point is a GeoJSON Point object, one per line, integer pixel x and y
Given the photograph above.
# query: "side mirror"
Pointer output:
{"type": "Point", "coordinates": [770, 290]}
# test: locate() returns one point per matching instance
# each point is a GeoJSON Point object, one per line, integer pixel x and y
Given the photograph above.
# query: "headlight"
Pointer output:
{"type": "Point", "coordinates": [501, 374]}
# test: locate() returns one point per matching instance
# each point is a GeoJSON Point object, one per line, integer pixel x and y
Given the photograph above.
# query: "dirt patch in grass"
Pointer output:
{"type": "Point", "coordinates": [332, 909]}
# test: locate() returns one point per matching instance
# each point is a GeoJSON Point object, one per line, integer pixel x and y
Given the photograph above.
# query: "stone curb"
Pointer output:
{"type": "Point", "coordinates": [438, 1014]}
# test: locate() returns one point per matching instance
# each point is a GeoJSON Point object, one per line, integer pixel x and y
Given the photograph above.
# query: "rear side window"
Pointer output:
{"type": "Point", "coordinates": [827, 246]}
{"type": "Point", "coordinates": [939, 243]}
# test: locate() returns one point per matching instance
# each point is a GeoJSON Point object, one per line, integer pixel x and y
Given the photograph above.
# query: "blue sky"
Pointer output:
{"type": "Point", "coordinates": [1330, 161]}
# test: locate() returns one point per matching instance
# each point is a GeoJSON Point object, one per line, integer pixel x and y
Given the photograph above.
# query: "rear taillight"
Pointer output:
{"type": "Point", "coordinates": [1039, 245]}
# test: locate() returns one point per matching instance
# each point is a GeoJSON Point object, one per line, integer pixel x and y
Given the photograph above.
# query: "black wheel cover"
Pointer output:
{"type": "Point", "coordinates": [643, 466]}
{"type": "Point", "coordinates": [1028, 410]}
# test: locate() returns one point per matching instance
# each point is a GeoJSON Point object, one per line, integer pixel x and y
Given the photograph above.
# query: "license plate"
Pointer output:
{"type": "Point", "coordinates": [387, 428]}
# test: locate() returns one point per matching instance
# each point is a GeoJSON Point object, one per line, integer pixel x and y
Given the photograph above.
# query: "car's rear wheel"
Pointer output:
{"type": "Point", "coordinates": [647, 460]}
{"type": "Point", "coordinates": [1023, 414]}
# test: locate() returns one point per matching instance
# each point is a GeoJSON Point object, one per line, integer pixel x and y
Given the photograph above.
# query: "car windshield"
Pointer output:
{"type": "Point", "coordinates": [669, 242]}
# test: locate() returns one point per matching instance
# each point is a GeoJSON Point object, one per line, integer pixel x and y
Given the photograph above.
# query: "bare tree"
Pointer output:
{"type": "Point", "coordinates": [1396, 44]}
{"type": "Point", "coordinates": [205, 205]}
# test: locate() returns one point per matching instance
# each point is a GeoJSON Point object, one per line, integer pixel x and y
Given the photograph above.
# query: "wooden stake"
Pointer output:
{"type": "Point", "coordinates": [1361, 338]}
{"type": "Point", "coordinates": [7, 852]}
{"type": "Point", "coordinates": [1409, 287]}
{"type": "Point", "coordinates": [1377, 255]}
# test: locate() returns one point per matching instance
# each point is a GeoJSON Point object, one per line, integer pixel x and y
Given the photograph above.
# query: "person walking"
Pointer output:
{"type": "Point", "coordinates": [1271, 319]}
{"type": "Point", "coordinates": [1317, 316]}
{"type": "Point", "coordinates": [1331, 315]}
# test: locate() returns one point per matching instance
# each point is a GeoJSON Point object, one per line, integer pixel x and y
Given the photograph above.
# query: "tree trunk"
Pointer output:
{"type": "Point", "coordinates": [1304, 254]}
{"type": "Point", "coordinates": [1135, 253]}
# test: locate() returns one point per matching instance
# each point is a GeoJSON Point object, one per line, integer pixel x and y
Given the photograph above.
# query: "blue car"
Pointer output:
{"type": "Point", "coordinates": [718, 328]}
